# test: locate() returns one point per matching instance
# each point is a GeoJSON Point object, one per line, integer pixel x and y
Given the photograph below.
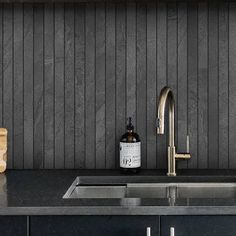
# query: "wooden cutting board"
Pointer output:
{"type": "Point", "coordinates": [3, 149]}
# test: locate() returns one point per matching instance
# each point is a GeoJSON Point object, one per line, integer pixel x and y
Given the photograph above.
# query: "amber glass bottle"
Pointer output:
{"type": "Point", "coordinates": [130, 151]}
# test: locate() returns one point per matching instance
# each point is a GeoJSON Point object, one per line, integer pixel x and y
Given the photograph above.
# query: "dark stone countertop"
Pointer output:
{"type": "Point", "coordinates": [39, 192]}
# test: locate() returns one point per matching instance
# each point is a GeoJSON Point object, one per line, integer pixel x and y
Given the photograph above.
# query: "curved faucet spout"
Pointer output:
{"type": "Point", "coordinates": [166, 95]}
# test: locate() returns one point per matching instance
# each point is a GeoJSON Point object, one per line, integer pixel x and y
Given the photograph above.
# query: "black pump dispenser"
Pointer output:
{"type": "Point", "coordinates": [130, 150]}
{"type": "Point", "coordinates": [130, 126]}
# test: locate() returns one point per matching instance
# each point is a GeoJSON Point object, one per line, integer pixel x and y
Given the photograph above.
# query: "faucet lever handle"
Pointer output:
{"type": "Point", "coordinates": [187, 143]}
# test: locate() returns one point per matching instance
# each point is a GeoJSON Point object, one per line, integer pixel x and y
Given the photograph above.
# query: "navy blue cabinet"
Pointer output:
{"type": "Point", "coordinates": [93, 225]}
{"type": "Point", "coordinates": [13, 225]}
{"type": "Point", "coordinates": [199, 225]}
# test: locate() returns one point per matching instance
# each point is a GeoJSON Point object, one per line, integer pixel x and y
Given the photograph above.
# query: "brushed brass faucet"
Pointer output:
{"type": "Point", "coordinates": [166, 95]}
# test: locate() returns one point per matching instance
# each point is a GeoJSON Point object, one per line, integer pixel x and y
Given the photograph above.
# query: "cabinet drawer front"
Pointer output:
{"type": "Point", "coordinates": [94, 225]}
{"type": "Point", "coordinates": [198, 225]}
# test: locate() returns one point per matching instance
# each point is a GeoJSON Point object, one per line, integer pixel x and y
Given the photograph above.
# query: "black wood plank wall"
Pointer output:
{"type": "Point", "coordinates": [70, 74]}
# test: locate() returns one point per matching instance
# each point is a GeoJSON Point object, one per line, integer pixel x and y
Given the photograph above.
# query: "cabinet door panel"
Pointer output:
{"type": "Point", "coordinates": [13, 225]}
{"type": "Point", "coordinates": [94, 225]}
{"type": "Point", "coordinates": [199, 225]}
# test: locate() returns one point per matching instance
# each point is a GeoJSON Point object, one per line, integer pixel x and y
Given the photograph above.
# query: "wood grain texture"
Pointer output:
{"type": "Point", "coordinates": [80, 86]}
{"type": "Point", "coordinates": [192, 83]}
{"type": "Point", "coordinates": [203, 85]}
{"type": "Point", "coordinates": [100, 86]}
{"type": "Point", "coordinates": [223, 86]}
{"type": "Point", "coordinates": [49, 85]}
{"type": "Point", "coordinates": [232, 84]}
{"type": "Point", "coordinates": [110, 86]}
{"type": "Point", "coordinates": [90, 125]}
{"type": "Point", "coordinates": [18, 86]}
{"type": "Point", "coordinates": [71, 74]}
{"type": "Point", "coordinates": [69, 86]}
{"type": "Point", "coordinates": [182, 80]}
{"type": "Point", "coordinates": [213, 86]}
{"type": "Point", "coordinates": [38, 82]}
{"type": "Point", "coordinates": [28, 86]}
{"type": "Point", "coordinates": [151, 85]}
{"type": "Point", "coordinates": [142, 79]}
{"type": "Point", "coordinates": [8, 77]}
{"type": "Point", "coordinates": [161, 76]}
{"type": "Point", "coordinates": [120, 74]}
{"type": "Point", "coordinates": [59, 98]}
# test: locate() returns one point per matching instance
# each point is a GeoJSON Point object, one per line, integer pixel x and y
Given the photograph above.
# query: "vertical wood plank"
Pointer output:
{"type": "Point", "coordinates": [141, 78]}
{"type": "Point", "coordinates": [100, 86]}
{"type": "Point", "coordinates": [59, 87]}
{"type": "Point", "coordinates": [79, 86]}
{"type": "Point", "coordinates": [8, 78]}
{"type": "Point", "coordinates": [38, 86]}
{"type": "Point", "coordinates": [49, 86]}
{"type": "Point", "coordinates": [172, 46]}
{"type": "Point", "coordinates": [213, 86]}
{"type": "Point", "coordinates": [90, 86]}
{"type": "Point", "coordinates": [120, 74]}
{"type": "Point", "coordinates": [172, 57]}
{"type": "Point", "coordinates": [182, 90]}
{"type": "Point", "coordinates": [131, 62]}
{"type": "Point", "coordinates": [151, 84]}
{"type": "Point", "coordinates": [192, 83]}
{"type": "Point", "coordinates": [223, 86]}
{"type": "Point", "coordinates": [110, 86]}
{"type": "Point", "coordinates": [28, 86]}
{"type": "Point", "coordinates": [232, 84]}
{"type": "Point", "coordinates": [69, 87]}
{"type": "Point", "coordinates": [161, 76]}
{"type": "Point", "coordinates": [202, 85]}
{"type": "Point", "coordinates": [1, 64]}
{"type": "Point", "coordinates": [18, 86]}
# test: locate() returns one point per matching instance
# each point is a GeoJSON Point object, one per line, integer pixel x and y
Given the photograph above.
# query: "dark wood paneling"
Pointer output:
{"type": "Point", "coordinates": [182, 80]}
{"type": "Point", "coordinates": [18, 86]}
{"type": "Point", "coordinates": [69, 86]}
{"type": "Point", "coordinates": [110, 86]}
{"type": "Point", "coordinates": [161, 75]}
{"type": "Point", "coordinates": [90, 126]}
{"type": "Point", "coordinates": [8, 77]}
{"type": "Point", "coordinates": [213, 88]}
{"type": "Point", "coordinates": [120, 74]}
{"type": "Point", "coordinates": [223, 86]}
{"type": "Point", "coordinates": [192, 83]}
{"type": "Point", "coordinates": [59, 86]}
{"type": "Point", "coordinates": [202, 85]}
{"type": "Point", "coordinates": [72, 73]}
{"type": "Point", "coordinates": [100, 86]}
{"type": "Point", "coordinates": [49, 84]}
{"type": "Point", "coordinates": [80, 86]}
{"type": "Point", "coordinates": [38, 86]}
{"type": "Point", "coordinates": [28, 86]}
{"type": "Point", "coordinates": [232, 85]}
{"type": "Point", "coordinates": [141, 78]}
{"type": "Point", "coordinates": [151, 84]}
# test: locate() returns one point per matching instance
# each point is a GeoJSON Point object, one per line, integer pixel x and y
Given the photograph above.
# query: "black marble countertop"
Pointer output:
{"type": "Point", "coordinates": [40, 192]}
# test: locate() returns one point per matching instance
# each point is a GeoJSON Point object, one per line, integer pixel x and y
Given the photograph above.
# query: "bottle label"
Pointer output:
{"type": "Point", "coordinates": [130, 155]}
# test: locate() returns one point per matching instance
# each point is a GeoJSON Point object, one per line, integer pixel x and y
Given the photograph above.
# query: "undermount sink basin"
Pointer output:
{"type": "Point", "coordinates": [108, 187]}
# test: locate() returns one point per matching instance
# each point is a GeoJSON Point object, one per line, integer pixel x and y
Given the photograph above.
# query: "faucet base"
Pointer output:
{"type": "Point", "coordinates": [171, 174]}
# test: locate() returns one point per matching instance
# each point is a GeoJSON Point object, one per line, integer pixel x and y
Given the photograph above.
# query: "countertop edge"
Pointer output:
{"type": "Point", "coordinates": [144, 210]}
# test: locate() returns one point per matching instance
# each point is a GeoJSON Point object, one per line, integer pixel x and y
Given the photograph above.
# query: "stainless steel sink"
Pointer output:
{"type": "Point", "coordinates": [114, 187]}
